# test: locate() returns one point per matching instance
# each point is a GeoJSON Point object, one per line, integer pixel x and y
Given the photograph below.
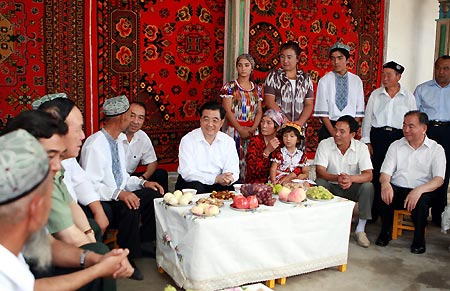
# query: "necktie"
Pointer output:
{"type": "Point", "coordinates": [116, 169]}
{"type": "Point", "coordinates": [341, 91]}
{"type": "Point", "coordinates": [117, 172]}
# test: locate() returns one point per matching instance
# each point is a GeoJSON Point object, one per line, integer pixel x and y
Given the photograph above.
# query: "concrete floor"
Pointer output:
{"type": "Point", "coordinates": [376, 268]}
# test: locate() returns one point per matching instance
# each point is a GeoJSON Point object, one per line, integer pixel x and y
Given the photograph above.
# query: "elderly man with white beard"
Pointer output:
{"type": "Point", "coordinates": [26, 183]}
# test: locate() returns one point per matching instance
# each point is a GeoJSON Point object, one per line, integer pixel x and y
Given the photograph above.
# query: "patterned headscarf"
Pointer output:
{"type": "Point", "coordinates": [276, 116]}
{"type": "Point", "coordinates": [248, 58]}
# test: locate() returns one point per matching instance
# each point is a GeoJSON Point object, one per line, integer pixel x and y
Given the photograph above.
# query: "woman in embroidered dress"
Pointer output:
{"type": "Point", "coordinates": [261, 147]}
{"type": "Point", "coordinates": [289, 162]}
{"type": "Point", "coordinates": [290, 90]}
{"type": "Point", "coordinates": [241, 99]}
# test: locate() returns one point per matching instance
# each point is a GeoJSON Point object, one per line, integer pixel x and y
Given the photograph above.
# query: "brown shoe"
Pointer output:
{"type": "Point", "coordinates": [361, 239]}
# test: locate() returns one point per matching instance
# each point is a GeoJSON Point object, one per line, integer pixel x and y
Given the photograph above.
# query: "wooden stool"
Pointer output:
{"type": "Point", "coordinates": [111, 238]}
{"type": "Point", "coordinates": [399, 224]}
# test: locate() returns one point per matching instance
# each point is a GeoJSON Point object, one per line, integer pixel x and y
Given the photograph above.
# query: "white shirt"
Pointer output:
{"type": "Point", "coordinates": [15, 274]}
{"type": "Point", "coordinates": [355, 160]}
{"type": "Point", "coordinates": [140, 149]}
{"type": "Point", "coordinates": [326, 97]}
{"type": "Point", "coordinates": [202, 162]}
{"type": "Point", "coordinates": [410, 168]}
{"type": "Point", "coordinates": [382, 110]}
{"type": "Point", "coordinates": [78, 183]}
{"type": "Point", "coordinates": [97, 162]}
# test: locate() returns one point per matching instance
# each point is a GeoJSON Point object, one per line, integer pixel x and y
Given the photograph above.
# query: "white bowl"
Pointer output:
{"type": "Point", "coordinates": [188, 190]}
{"type": "Point", "coordinates": [237, 188]}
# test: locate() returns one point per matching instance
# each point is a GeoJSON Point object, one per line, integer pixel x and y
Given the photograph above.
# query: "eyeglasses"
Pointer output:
{"type": "Point", "coordinates": [207, 119]}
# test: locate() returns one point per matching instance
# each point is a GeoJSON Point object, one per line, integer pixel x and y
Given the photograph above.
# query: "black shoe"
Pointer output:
{"type": "Point", "coordinates": [383, 239]}
{"type": "Point", "coordinates": [137, 275]}
{"type": "Point", "coordinates": [148, 250]}
{"type": "Point", "coordinates": [418, 249]}
{"type": "Point", "coordinates": [373, 220]}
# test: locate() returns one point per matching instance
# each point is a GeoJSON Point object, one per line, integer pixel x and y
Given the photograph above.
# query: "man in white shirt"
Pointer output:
{"type": "Point", "coordinates": [129, 199]}
{"type": "Point", "coordinates": [208, 159]}
{"type": "Point", "coordinates": [383, 121]}
{"type": "Point", "coordinates": [25, 200]}
{"type": "Point", "coordinates": [74, 177]}
{"type": "Point", "coordinates": [25, 187]}
{"type": "Point", "coordinates": [433, 99]}
{"type": "Point", "coordinates": [339, 92]}
{"type": "Point", "coordinates": [343, 166]}
{"type": "Point", "coordinates": [413, 169]}
{"type": "Point", "coordinates": [139, 149]}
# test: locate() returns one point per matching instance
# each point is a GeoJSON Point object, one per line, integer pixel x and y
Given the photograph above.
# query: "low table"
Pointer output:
{"type": "Point", "coordinates": [237, 248]}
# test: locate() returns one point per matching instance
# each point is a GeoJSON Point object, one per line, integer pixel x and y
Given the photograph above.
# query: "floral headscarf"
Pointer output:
{"type": "Point", "coordinates": [276, 116]}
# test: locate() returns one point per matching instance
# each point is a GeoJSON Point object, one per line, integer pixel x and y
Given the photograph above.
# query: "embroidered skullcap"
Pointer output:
{"type": "Point", "coordinates": [339, 45]}
{"type": "Point", "coordinates": [396, 67]}
{"type": "Point", "coordinates": [23, 164]}
{"type": "Point", "coordinates": [293, 125]}
{"type": "Point", "coordinates": [116, 106]}
{"type": "Point", "coordinates": [276, 116]}
{"type": "Point", "coordinates": [37, 103]}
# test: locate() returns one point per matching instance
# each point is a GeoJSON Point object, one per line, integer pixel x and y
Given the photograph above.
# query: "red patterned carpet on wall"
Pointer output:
{"type": "Point", "coordinates": [316, 25]}
{"type": "Point", "coordinates": [168, 54]}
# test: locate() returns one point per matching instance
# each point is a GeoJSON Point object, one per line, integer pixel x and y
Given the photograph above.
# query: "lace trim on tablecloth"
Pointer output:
{"type": "Point", "coordinates": [237, 279]}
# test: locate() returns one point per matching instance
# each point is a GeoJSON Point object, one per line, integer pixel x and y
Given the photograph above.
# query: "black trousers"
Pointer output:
{"type": "Point", "coordinates": [380, 139]}
{"type": "Point", "coordinates": [160, 176]}
{"type": "Point", "coordinates": [201, 188]}
{"type": "Point", "coordinates": [134, 225]}
{"type": "Point", "coordinates": [100, 284]}
{"type": "Point", "coordinates": [441, 134]}
{"type": "Point", "coordinates": [323, 131]}
{"type": "Point", "coordinates": [419, 214]}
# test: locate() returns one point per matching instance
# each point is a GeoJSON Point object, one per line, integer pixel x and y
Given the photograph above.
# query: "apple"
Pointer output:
{"type": "Point", "coordinates": [184, 200]}
{"type": "Point", "coordinates": [284, 193]}
{"type": "Point", "coordinates": [203, 205]}
{"type": "Point", "coordinates": [277, 188]}
{"type": "Point", "coordinates": [297, 195]}
{"type": "Point", "coordinates": [188, 195]}
{"type": "Point", "coordinates": [167, 196]}
{"type": "Point", "coordinates": [240, 202]}
{"type": "Point", "coordinates": [252, 202]}
{"type": "Point", "coordinates": [211, 210]}
{"type": "Point", "coordinates": [173, 201]}
{"type": "Point", "coordinates": [178, 194]}
{"type": "Point", "coordinates": [197, 210]}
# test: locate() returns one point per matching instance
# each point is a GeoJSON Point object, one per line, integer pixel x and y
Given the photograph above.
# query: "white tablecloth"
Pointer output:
{"type": "Point", "coordinates": [236, 248]}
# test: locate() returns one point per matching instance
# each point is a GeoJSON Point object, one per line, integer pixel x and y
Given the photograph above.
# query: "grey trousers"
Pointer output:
{"type": "Point", "coordinates": [361, 193]}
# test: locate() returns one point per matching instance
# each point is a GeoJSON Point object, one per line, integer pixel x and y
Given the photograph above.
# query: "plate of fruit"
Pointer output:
{"type": "Point", "coordinates": [319, 193]}
{"type": "Point", "coordinates": [262, 192]}
{"type": "Point", "coordinates": [211, 201]}
{"type": "Point", "coordinates": [242, 203]}
{"type": "Point", "coordinates": [222, 195]}
{"type": "Point", "coordinates": [178, 199]}
{"type": "Point", "coordinates": [205, 210]}
{"type": "Point", "coordinates": [295, 196]}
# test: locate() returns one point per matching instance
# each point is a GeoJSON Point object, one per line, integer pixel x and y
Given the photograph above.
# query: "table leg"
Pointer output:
{"type": "Point", "coordinates": [161, 270]}
{"type": "Point", "coordinates": [281, 281]}
{"type": "Point", "coordinates": [342, 268]}
{"type": "Point", "coordinates": [270, 283]}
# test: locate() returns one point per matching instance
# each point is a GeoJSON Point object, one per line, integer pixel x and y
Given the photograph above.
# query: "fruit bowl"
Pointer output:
{"type": "Point", "coordinates": [204, 215]}
{"type": "Point", "coordinates": [243, 209]}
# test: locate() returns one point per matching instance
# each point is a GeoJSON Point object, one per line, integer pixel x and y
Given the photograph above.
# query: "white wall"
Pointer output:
{"type": "Point", "coordinates": [411, 33]}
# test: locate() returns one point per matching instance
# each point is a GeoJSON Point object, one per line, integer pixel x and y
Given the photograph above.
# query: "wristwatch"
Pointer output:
{"type": "Point", "coordinates": [83, 258]}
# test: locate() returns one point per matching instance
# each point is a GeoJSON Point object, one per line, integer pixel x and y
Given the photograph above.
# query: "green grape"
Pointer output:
{"type": "Point", "coordinates": [319, 192]}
